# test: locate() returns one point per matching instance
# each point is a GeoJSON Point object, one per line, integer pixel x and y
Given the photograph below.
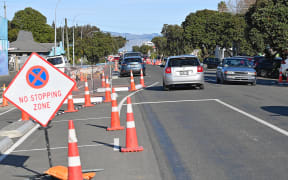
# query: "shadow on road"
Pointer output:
{"type": "Point", "coordinates": [277, 110]}
{"type": "Point", "coordinates": [98, 126]}
{"type": "Point", "coordinates": [106, 144]}
{"type": "Point", "coordinates": [18, 162]}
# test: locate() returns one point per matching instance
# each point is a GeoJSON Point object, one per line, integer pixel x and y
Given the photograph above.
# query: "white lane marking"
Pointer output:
{"type": "Point", "coordinates": [131, 94]}
{"type": "Point", "coordinates": [116, 144]}
{"type": "Point", "coordinates": [87, 119]}
{"type": "Point", "coordinates": [159, 102]}
{"type": "Point", "coordinates": [19, 142]}
{"type": "Point", "coordinates": [282, 131]}
{"type": "Point", "coordinates": [7, 111]}
{"type": "Point", "coordinates": [56, 148]}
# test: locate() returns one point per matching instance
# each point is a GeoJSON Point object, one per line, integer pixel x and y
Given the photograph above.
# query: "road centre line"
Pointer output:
{"type": "Point", "coordinates": [56, 148]}
{"type": "Point", "coordinates": [82, 119]}
{"type": "Point", "coordinates": [261, 121]}
{"type": "Point", "coordinates": [7, 111]}
{"type": "Point", "coordinates": [131, 94]}
{"type": "Point", "coordinates": [281, 131]}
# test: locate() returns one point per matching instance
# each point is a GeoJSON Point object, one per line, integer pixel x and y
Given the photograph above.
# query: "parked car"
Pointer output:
{"type": "Point", "coordinates": [268, 67]}
{"type": "Point", "coordinates": [183, 70]}
{"type": "Point", "coordinates": [284, 67]}
{"type": "Point", "coordinates": [235, 69]}
{"type": "Point", "coordinates": [133, 63]}
{"type": "Point", "coordinates": [211, 62]}
{"type": "Point", "coordinates": [60, 62]}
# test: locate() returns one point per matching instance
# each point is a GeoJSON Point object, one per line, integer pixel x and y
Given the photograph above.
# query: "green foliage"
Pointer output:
{"type": "Point", "coordinates": [268, 25]}
{"type": "Point", "coordinates": [160, 44]}
{"type": "Point", "coordinates": [135, 48]}
{"type": "Point", "coordinates": [31, 20]}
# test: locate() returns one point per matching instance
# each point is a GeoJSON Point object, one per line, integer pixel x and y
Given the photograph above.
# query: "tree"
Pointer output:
{"type": "Point", "coordinates": [135, 48]}
{"type": "Point", "coordinates": [160, 45]}
{"type": "Point", "coordinates": [222, 7]}
{"type": "Point", "coordinates": [32, 20]}
{"type": "Point", "coordinates": [239, 6]}
{"type": "Point", "coordinates": [268, 26]}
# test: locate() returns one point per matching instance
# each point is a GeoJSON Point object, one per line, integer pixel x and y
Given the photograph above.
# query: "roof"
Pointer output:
{"type": "Point", "coordinates": [25, 43]}
{"type": "Point", "coordinates": [181, 56]}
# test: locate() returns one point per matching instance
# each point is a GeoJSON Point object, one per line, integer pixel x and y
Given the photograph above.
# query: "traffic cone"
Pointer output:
{"type": "Point", "coordinates": [87, 96]}
{"type": "Point", "coordinates": [280, 77]}
{"type": "Point", "coordinates": [132, 83]}
{"type": "Point", "coordinates": [70, 104]}
{"type": "Point", "coordinates": [25, 116]}
{"type": "Point", "coordinates": [115, 120]}
{"type": "Point", "coordinates": [107, 91]}
{"type": "Point", "coordinates": [116, 66]}
{"type": "Point", "coordinates": [103, 80]}
{"type": "Point", "coordinates": [74, 163]}
{"type": "Point", "coordinates": [131, 135]}
{"type": "Point", "coordinates": [142, 79]}
{"type": "Point", "coordinates": [4, 100]}
{"type": "Point", "coordinates": [81, 77]}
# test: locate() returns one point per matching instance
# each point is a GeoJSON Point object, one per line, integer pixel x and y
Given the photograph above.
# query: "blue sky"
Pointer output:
{"type": "Point", "coordinates": [129, 16]}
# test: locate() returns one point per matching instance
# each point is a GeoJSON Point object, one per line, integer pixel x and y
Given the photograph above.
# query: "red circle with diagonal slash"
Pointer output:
{"type": "Point", "coordinates": [35, 77]}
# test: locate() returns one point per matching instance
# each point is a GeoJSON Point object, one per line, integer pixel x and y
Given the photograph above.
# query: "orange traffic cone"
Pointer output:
{"type": "Point", "coordinates": [132, 83]}
{"type": "Point", "coordinates": [107, 91]}
{"type": "Point", "coordinates": [115, 120]}
{"type": "Point", "coordinates": [25, 116]}
{"type": "Point", "coordinates": [142, 79]}
{"type": "Point", "coordinates": [74, 163]}
{"type": "Point", "coordinates": [87, 96]}
{"type": "Point", "coordinates": [4, 100]}
{"type": "Point", "coordinates": [280, 77]}
{"type": "Point", "coordinates": [131, 135]}
{"type": "Point", "coordinates": [103, 80]}
{"type": "Point", "coordinates": [70, 104]}
{"type": "Point", "coordinates": [116, 66]}
{"type": "Point", "coordinates": [81, 77]}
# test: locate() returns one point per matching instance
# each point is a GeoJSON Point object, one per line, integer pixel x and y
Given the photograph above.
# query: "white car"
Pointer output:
{"type": "Point", "coordinates": [284, 67]}
{"type": "Point", "coordinates": [60, 62]}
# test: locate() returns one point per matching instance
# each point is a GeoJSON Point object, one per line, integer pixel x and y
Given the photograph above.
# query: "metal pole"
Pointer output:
{"type": "Point", "coordinates": [73, 47]}
{"type": "Point", "coordinates": [48, 147]}
{"type": "Point", "coordinates": [55, 28]}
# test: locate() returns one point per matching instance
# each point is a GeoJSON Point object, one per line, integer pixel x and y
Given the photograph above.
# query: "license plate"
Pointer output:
{"type": "Point", "coordinates": [183, 72]}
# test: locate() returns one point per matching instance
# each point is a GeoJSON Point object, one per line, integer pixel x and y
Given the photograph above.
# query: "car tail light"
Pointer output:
{"type": "Point", "coordinates": [199, 69]}
{"type": "Point", "coordinates": [283, 62]}
{"type": "Point", "coordinates": [168, 70]}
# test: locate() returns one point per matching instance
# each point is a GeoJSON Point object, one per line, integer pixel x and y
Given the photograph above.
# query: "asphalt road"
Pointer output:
{"type": "Point", "coordinates": [232, 131]}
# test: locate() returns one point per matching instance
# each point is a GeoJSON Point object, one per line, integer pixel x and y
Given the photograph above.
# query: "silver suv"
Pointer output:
{"type": "Point", "coordinates": [183, 70]}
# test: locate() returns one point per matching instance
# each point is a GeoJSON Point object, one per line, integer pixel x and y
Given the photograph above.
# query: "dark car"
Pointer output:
{"type": "Point", "coordinates": [268, 67]}
{"type": "Point", "coordinates": [211, 62]}
{"type": "Point", "coordinates": [133, 63]}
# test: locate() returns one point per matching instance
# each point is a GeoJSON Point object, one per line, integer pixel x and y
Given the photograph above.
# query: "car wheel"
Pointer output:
{"type": "Point", "coordinates": [201, 86]}
{"type": "Point", "coordinates": [165, 88]}
{"type": "Point", "coordinates": [253, 83]}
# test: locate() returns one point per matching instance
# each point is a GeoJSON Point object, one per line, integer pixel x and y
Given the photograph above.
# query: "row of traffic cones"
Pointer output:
{"type": "Point", "coordinates": [280, 80]}
{"type": "Point", "coordinates": [132, 82]}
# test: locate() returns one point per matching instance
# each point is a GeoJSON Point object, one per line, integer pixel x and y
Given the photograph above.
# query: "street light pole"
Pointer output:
{"type": "Point", "coordinates": [55, 28]}
{"type": "Point", "coordinates": [73, 48]}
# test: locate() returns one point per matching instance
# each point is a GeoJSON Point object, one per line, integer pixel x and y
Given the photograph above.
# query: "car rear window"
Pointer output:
{"type": "Point", "coordinates": [179, 62]}
{"type": "Point", "coordinates": [132, 54]}
{"type": "Point", "coordinates": [237, 62]}
{"type": "Point", "coordinates": [55, 61]}
{"type": "Point", "coordinates": [133, 60]}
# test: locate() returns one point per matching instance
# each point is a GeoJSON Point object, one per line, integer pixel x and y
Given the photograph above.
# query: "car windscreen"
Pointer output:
{"type": "Point", "coordinates": [133, 60]}
{"type": "Point", "coordinates": [236, 63]}
{"type": "Point", "coordinates": [179, 62]}
{"type": "Point", "coordinates": [55, 61]}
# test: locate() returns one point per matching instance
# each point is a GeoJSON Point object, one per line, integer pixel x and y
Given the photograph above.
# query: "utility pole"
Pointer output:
{"type": "Point", "coordinates": [67, 40]}
{"type": "Point", "coordinates": [5, 10]}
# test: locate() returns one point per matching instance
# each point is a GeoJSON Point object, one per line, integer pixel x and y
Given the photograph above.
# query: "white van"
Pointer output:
{"type": "Point", "coordinates": [59, 61]}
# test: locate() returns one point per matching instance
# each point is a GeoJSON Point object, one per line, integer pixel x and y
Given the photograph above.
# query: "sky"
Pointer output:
{"type": "Point", "coordinates": [123, 16]}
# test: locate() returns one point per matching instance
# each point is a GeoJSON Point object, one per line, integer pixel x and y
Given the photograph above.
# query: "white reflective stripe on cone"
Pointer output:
{"type": "Point", "coordinates": [113, 96]}
{"type": "Point", "coordinates": [130, 124]}
{"type": "Point", "coordinates": [70, 97]}
{"type": "Point", "coordinates": [129, 108]}
{"type": "Point", "coordinates": [86, 84]}
{"type": "Point", "coordinates": [108, 89]}
{"type": "Point", "coordinates": [132, 80]}
{"type": "Point", "coordinates": [114, 109]}
{"type": "Point", "coordinates": [86, 92]}
{"type": "Point", "coordinates": [72, 136]}
{"type": "Point", "coordinates": [74, 161]}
